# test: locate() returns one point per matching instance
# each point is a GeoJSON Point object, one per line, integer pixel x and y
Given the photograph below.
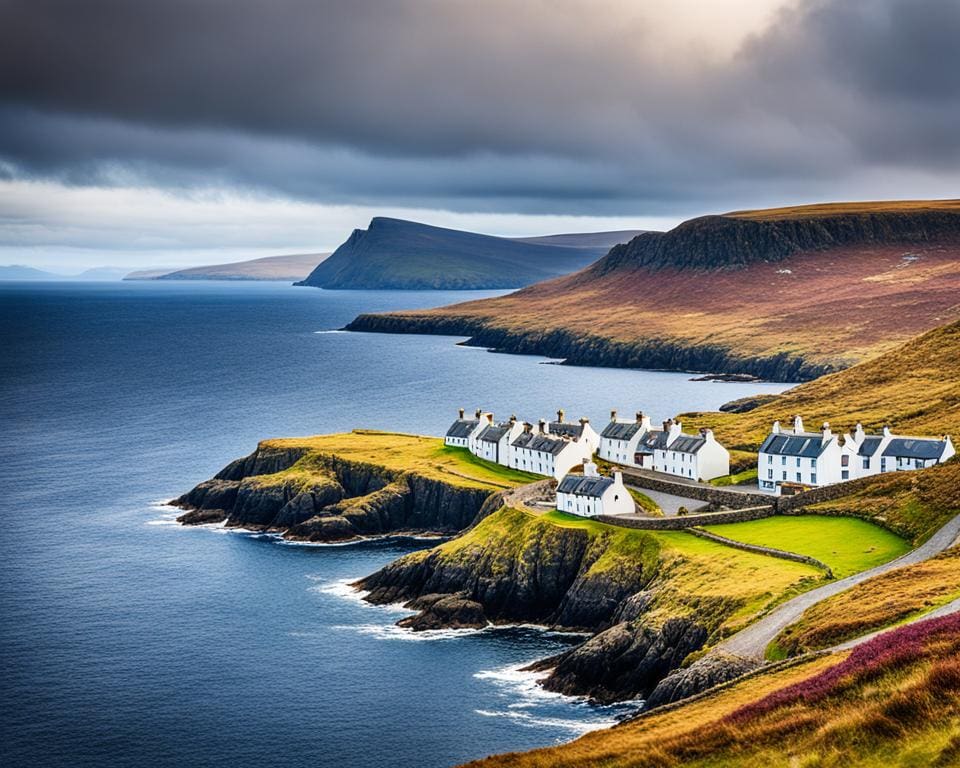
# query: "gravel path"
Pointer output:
{"type": "Point", "coordinates": [752, 642]}
{"type": "Point", "coordinates": [669, 503]}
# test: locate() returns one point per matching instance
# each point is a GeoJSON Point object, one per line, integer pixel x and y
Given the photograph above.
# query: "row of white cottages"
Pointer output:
{"type": "Point", "coordinates": [800, 458]}
{"type": "Point", "coordinates": [554, 448]}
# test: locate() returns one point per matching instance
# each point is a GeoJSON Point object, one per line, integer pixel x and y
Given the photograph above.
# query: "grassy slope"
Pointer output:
{"type": "Point", "coordinates": [880, 602]}
{"type": "Point", "coordinates": [915, 388]}
{"type": "Point", "coordinates": [427, 456]}
{"type": "Point", "coordinates": [721, 586]}
{"type": "Point", "coordinates": [892, 702]}
{"type": "Point", "coordinates": [847, 545]}
{"type": "Point", "coordinates": [834, 307]}
{"type": "Point", "coordinates": [827, 209]}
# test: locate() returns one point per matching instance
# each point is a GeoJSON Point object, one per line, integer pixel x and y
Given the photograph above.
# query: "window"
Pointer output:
{"type": "Point", "coordinates": [813, 463]}
{"type": "Point", "coordinates": [799, 477]}
{"type": "Point", "coordinates": [918, 463]}
{"type": "Point", "coordinates": [798, 461]}
{"type": "Point", "coordinates": [866, 463]}
{"type": "Point", "coordinates": [845, 475]}
{"type": "Point", "coordinates": [783, 460]}
{"type": "Point", "coordinates": [845, 460]}
{"type": "Point", "coordinates": [883, 463]}
{"type": "Point", "coordinates": [784, 475]}
{"type": "Point", "coordinates": [770, 474]}
{"type": "Point", "coordinates": [813, 477]}
{"type": "Point", "coordinates": [769, 458]}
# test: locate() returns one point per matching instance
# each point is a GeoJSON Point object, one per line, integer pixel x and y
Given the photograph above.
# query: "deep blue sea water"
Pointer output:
{"type": "Point", "coordinates": [128, 641]}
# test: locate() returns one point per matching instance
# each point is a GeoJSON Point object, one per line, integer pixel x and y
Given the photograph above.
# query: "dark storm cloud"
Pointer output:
{"type": "Point", "coordinates": [566, 106]}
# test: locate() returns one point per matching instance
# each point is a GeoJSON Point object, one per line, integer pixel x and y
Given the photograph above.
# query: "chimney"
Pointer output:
{"type": "Point", "coordinates": [490, 418]}
{"type": "Point", "coordinates": [776, 428]}
{"type": "Point", "coordinates": [544, 430]}
{"type": "Point", "coordinates": [590, 469]}
{"type": "Point", "coordinates": [639, 417]}
{"type": "Point", "coordinates": [797, 424]}
{"type": "Point", "coordinates": [858, 434]}
{"type": "Point", "coordinates": [826, 433]}
{"type": "Point", "coordinates": [675, 429]}
{"type": "Point", "coordinates": [613, 415]}
{"type": "Point", "coordinates": [527, 426]}
{"type": "Point", "coordinates": [560, 416]}
{"type": "Point", "coordinates": [478, 413]}
{"type": "Point", "coordinates": [513, 418]}
{"type": "Point", "coordinates": [706, 434]}
{"type": "Point", "coordinates": [886, 431]}
{"type": "Point", "coordinates": [643, 421]}
{"type": "Point", "coordinates": [667, 424]}
{"type": "Point", "coordinates": [618, 478]}
{"type": "Point", "coordinates": [461, 414]}
{"type": "Point", "coordinates": [584, 421]}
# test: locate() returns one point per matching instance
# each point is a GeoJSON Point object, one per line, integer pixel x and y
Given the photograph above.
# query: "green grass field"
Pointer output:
{"type": "Point", "coordinates": [746, 477]}
{"type": "Point", "coordinates": [846, 544]}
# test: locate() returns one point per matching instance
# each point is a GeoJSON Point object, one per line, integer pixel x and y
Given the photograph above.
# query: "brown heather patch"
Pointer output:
{"type": "Point", "coordinates": [834, 209]}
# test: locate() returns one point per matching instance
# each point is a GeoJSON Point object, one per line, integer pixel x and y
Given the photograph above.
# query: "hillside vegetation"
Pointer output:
{"type": "Point", "coordinates": [287, 268]}
{"type": "Point", "coordinates": [397, 254]}
{"type": "Point", "coordinates": [880, 602]}
{"type": "Point", "coordinates": [786, 294]}
{"type": "Point", "coordinates": [894, 701]}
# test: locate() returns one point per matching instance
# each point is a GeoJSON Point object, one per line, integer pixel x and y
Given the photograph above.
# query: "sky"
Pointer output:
{"type": "Point", "coordinates": [139, 134]}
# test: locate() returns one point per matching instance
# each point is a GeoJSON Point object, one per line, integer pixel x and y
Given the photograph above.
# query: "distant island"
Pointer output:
{"type": "Point", "coordinates": [21, 272]}
{"type": "Point", "coordinates": [286, 268]}
{"type": "Point", "coordinates": [407, 255]}
{"type": "Point", "coordinates": [786, 293]}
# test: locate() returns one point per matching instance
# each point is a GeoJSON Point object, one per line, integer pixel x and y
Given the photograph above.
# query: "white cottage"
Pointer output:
{"type": "Point", "coordinates": [464, 431]}
{"type": "Point", "coordinates": [493, 441]}
{"type": "Point", "coordinates": [579, 430]}
{"type": "Point", "coordinates": [865, 455]}
{"type": "Point", "coordinates": [799, 457]}
{"type": "Point", "coordinates": [589, 494]}
{"type": "Point", "coordinates": [543, 453]}
{"type": "Point", "coordinates": [671, 451]}
{"type": "Point", "coordinates": [620, 438]}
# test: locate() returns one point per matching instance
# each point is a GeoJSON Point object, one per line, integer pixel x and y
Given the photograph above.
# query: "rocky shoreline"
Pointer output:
{"type": "Point", "coordinates": [578, 349]}
{"type": "Point", "coordinates": [332, 500]}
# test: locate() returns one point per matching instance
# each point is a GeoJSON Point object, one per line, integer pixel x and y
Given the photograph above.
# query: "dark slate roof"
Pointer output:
{"type": "Point", "coordinates": [687, 444]}
{"type": "Point", "coordinates": [655, 438]}
{"type": "Point", "coordinates": [807, 444]}
{"type": "Point", "coordinates": [566, 429]}
{"type": "Point", "coordinates": [462, 427]}
{"type": "Point", "coordinates": [869, 445]}
{"type": "Point", "coordinates": [915, 448]}
{"type": "Point", "coordinates": [542, 443]}
{"type": "Point", "coordinates": [621, 430]}
{"type": "Point", "coordinates": [494, 432]}
{"type": "Point", "coordinates": [579, 485]}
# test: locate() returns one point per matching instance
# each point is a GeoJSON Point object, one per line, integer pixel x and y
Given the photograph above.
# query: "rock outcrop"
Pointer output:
{"type": "Point", "coordinates": [323, 498]}
{"type": "Point", "coordinates": [700, 676]}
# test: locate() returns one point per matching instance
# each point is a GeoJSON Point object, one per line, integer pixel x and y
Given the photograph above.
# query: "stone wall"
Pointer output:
{"type": "Point", "coordinates": [689, 521]}
{"type": "Point", "coordinates": [709, 494]}
{"type": "Point", "coordinates": [771, 551]}
{"type": "Point", "coordinates": [787, 504]}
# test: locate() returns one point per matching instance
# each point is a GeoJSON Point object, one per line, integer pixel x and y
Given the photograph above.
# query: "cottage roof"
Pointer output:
{"type": "Point", "coordinates": [493, 433]}
{"type": "Point", "coordinates": [580, 485]}
{"type": "Point", "coordinates": [687, 444]}
{"type": "Point", "coordinates": [915, 448]}
{"type": "Point", "coordinates": [804, 444]}
{"type": "Point", "coordinates": [462, 427]}
{"type": "Point", "coordinates": [570, 429]}
{"type": "Point", "coordinates": [621, 430]}
{"type": "Point", "coordinates": [653, 439]}
{"type": "Point", "coordinates": [869, 445]}
{"type": "Point", "coordinates": [540, 443]}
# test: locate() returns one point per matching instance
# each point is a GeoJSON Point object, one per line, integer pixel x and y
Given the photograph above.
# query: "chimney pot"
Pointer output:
{"type": "Point", "coordinates": [613, 415]}
{"type": "Point", "coordinates": [560, 415]}
{"type": "Point", "coordinates": [461, 413]}
{"type": "Point", "coordinates": [584, 420]}
{"type": "Point", "coordinates": [639, 416]}
{"type": "Point", "coordinates": [478, 413]}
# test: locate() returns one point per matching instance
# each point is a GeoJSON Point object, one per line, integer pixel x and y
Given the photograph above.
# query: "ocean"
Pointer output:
{"type": "Point", "coordinates": [130, 641]}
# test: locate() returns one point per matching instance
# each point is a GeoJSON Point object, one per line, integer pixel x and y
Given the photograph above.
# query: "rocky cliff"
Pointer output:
{"type": "Point", "coordinates": [319, 497]}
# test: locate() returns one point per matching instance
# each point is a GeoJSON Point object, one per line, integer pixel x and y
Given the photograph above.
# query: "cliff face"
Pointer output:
{"type": "Point", "coordinates": [327, 498]}
{"type": "Point", "coordinates": [513, 568]}
{"type": "Point", "coordinates": [730, 242]}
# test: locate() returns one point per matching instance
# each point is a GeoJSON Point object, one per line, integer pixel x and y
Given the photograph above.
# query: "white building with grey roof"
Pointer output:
{"type": "Point", "coordinates": [815, 459]}
{"type": "Point", "coordinates": [464, 431]}
{"type": "Point", "coordinates": [590, 494]}
{"type": "Point", "coordinates": [798, 457]}
{"type": "Point", "coordinates": [693, 457]}
{"type": "Point", "coordinates": [539, 451]}
{"type": "Point", "coordinates": [493, 440]}
{"type": "Point", "coordinates": [579, 430]}
{"type": "Point", "coordinates": [620, 438]}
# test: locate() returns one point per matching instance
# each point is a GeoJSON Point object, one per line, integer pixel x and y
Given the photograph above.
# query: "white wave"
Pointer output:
{"type": "Point", "coordinates": [393, 632]}
{"type": "Point", "coordinates": [344, 589]}
{"type": "Point", "coordinates": [533, 721]}
{"type": "Point", "coordinates": [164, 521]}
{"type": "Point", "coordinates": [332, 330]}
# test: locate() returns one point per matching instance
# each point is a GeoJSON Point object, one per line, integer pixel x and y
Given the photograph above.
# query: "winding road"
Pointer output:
{"type": "Point", "coordinates": [751, 643]}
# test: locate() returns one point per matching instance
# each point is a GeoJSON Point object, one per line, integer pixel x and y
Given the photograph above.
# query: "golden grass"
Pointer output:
{"type": "Point", "coordinates": [817, 210]}
{"type": "Point", "coordinates": [399, 452]}
{"type": "Point", "coordinates": [877, 603]}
